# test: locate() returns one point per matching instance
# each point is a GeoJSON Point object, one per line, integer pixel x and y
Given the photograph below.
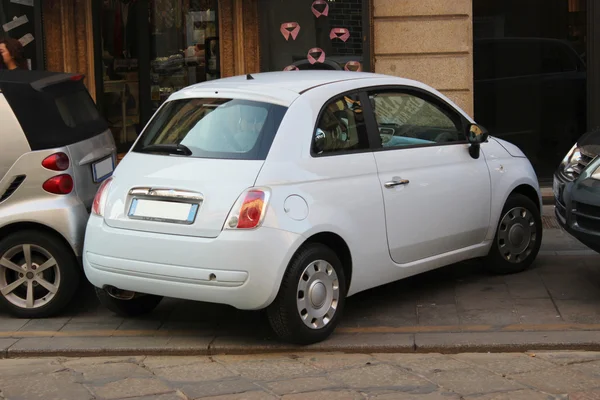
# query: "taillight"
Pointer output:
{"type": "Point", "coordinates": [249, 210]}
{"type": "Point", "coordinates": [56, 162]}
{"type": "Point", "coordinates": [100, 199]}
{"type": "Point", "coordinates": [60, 184]}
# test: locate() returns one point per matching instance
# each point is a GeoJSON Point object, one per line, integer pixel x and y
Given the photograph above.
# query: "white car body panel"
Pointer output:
{"type": "Point", "coordinates": [340, 194]}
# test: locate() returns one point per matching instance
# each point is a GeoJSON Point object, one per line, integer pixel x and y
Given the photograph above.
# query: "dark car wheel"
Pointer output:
{"type": "Point", "coordinates": [139, 305]}
{"type": "Point", "coordinates": [311, 298]}
{"type": "Point", "coordinates": [39, 274]}
{"type": "Point", "coordinates": [518, 236]}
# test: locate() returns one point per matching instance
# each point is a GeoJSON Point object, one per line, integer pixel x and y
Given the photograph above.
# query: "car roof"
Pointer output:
{"type": "Point", "coordinates": [282, 87]}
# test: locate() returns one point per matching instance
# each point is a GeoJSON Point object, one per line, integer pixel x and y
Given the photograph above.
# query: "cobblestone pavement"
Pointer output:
{"type": "Point", "coordinates": [484, 376]}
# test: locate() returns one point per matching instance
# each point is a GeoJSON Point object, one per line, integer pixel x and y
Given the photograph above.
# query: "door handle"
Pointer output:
{"type": "Point", "coordinates": [396, 182]}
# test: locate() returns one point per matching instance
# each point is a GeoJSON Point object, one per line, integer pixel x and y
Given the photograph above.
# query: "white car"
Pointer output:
{"type": "Point", "coordinates": [291, 191]}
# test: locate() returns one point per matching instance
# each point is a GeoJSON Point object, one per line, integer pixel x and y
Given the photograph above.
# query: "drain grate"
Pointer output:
{"type": "Point", "coordinates": [550, 222]}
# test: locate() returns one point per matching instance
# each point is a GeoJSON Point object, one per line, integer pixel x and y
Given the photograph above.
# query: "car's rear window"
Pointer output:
{"type": "Point", "coordinates": [215, 127]}
{"type": "Point", "coordinates": [60, 115]}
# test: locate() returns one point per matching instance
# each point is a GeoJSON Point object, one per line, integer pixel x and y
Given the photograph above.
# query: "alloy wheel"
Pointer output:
{"type": "Point", "coordinates": [29, 276]}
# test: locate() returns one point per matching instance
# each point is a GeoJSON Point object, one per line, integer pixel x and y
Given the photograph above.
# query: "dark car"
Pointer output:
{"type": "Point", "coordinates": [577, 191]}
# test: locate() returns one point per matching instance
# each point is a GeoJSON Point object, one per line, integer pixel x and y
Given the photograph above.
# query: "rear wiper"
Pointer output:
{"type": "Point", "coordinates": [168, 148]}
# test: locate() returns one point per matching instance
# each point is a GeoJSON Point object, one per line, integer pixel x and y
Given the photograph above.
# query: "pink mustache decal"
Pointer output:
{"type": "Point", "coordinates": [318, 13]}
{"type": "Point", "coordinates": [353, 66]}
{"type": "Point", "coordinates": [291, 68]}
{"type": "Point", "coordinates": [339, 33]}
{"type": "Point", "coordinates": [286, 32]}
{"type": "Point", "coordinates": [311, 58]}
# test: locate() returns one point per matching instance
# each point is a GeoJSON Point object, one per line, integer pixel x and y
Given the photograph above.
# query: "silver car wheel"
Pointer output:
{"type": "Point", "coordinates": [29, 276]}
{"type": "Point", "coordinates": [318, 294]}
{"type": "Point", "coordinates": [517, 235]}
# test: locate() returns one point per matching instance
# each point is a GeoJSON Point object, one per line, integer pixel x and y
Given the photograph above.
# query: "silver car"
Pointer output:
{"type": "Point", "coordinates": [55, 150]}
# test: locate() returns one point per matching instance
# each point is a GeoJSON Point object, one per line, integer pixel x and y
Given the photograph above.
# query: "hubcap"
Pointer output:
{"type": "Point", "coordinates": [29, 276]}
{"type": "Point", "coordinates": [318, 294]}
{"type": "Point", "coordinates": [517, 235]}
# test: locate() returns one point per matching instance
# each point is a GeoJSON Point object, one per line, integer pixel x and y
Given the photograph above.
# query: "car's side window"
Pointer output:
{"type": "Point", "coordinates": [341, 127]}
{"type": "Point", "coordinates": [405, 119]}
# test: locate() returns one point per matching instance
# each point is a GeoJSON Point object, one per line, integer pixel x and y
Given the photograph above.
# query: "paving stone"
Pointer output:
{"type": "Point", "coordinates": [489, 316]}
{"type": "Point", "coordinates": [587, 395]}
{"type": "Point", "coordinates": [131, 387]}
{"type": "Point", "coordinates": [482, 296]}
{"type": "Point", "coordinates": [579, 287]}
{"type": "Point", "coordinates": [168, 396]}
{"type": "Point", "coordinates": [439, 395]}
{"type": "Point", "coordinates": [335, 361]}
{"type": "Point", "coordinates": [382, 376]}
{"type": "Point", "coordinates": [437, 314]}
{"type": "Point", "coordinates": [108, 372]}
{"type": "Point", "coordinates": [217, 388]}
{"type": "Point", "coordinates": [422, 363]}
{"type": "Point", "coordinates": [438, 293]}
{"type": "Point", "coordinates": [579, 311]}
{"type": "Point", "coordinates": [5, 344]}
{"type": "Point", "coordinates": [76, 326]}
{"type": "Point", "coordinates": [23, 367]}
{"type": "Point", "coordinates": [589, 368]}
{"type": "Point", "coordinates": [325, 395]}
{"type": "Point", "coordinates": [568, 357]}
{"type": "Point", "coordinates": [300, 385]}
{"type": "Point", "coordinates": [526, 285]}
{"type": "Point", "coordinates": [243, 396]}
{"type": "Point", "coordinates": [196, 372]}
{"type": "Point", "coordinates": [153, 362]}
{"type": "Point", "coordinates": [50, 324]}
{"type": "Point", "coordinates": [470, 381]}
{"type": "Point", "coordinates": [140, 324]}
{"type": "Point", "coordinates": [513, 395]}
{"type": "Point", "coordinates": [9, 324]}
{"type": "Point", "coordinates": [44, 386]}
{"type": "Point", "coordinates": [558, 380]}
{"type": "Point", "coordinates": [85, 345]}
{"type": "Point", "coordinates": [505, 363]}
{"type": "Point", "coordinates": [537, 311]}
{"type": "Point", "coordinates": [272, 370]}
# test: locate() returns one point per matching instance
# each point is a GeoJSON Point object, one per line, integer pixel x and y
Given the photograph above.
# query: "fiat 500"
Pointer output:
{"type": "Point", "coordinates": [290, 191]}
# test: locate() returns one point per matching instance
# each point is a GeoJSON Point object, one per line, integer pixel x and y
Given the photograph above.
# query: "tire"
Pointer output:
{"type": "Point", "coordinates": [328, 291]}
{"type": "Point", "coordinates": [51, 289]}
{"type": "Point", "coordinates": [141, 305]}
{"type": "Point", "coordinates": [508, 254]}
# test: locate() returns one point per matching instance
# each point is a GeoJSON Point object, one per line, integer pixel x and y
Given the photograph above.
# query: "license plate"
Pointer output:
{"type": "Point", "coordinates": [103, 169]}
{"type": "Point", "coordinates": [163, 211]}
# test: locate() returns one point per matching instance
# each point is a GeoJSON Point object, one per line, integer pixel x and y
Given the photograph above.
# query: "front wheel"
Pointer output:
{"type": "Point", "coordinates": [138, 305]}
{"type": "Point", "coordinates": [311, 298]}
{"type": "Point", "coordinates": [518, 237]}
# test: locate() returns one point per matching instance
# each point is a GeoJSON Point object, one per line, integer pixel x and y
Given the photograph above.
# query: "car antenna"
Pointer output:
{"type": "Point", "coordinates": [249, 77]}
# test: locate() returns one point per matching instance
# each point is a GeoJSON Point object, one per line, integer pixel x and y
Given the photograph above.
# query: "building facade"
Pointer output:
{"type": "Point", "coordinates": [528, 70]}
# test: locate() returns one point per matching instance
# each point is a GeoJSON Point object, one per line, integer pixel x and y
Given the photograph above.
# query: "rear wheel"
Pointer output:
{"type": "Point", "coordinates": [39, 274]}
{"type": "Point", "coordinates": [311, 298]}
{"type": "Point", "coordinates": [518, 236]}
{"type": "Point", "coordinates": [139, 304]}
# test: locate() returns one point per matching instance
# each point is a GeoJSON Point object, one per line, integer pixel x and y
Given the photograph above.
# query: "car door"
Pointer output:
{"type": "Point", "coordinates": [436, 195]}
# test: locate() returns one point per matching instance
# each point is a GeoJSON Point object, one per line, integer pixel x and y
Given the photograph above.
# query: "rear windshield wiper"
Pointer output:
{"type": "Point", "coordinates": [168, 148]}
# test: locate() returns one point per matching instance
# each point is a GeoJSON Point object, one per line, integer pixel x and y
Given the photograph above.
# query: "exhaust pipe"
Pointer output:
{"type": "Point", "coordinates": [119, 294]}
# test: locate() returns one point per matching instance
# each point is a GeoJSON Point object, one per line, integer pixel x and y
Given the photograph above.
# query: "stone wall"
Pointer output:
{"type": "Point", "coordinates": [427, 40]}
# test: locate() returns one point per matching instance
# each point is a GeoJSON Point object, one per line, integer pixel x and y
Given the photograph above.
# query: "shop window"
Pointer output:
{"type": "Point", "coordinates": [22, 20]}
{"type": "Point", "coordinates": [308, 34]}
{"type": "Point", "coordinates": [530, 75]}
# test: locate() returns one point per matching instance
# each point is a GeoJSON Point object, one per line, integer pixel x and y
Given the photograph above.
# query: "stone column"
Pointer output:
{"type": "Point", "coordinates": [429, 41]}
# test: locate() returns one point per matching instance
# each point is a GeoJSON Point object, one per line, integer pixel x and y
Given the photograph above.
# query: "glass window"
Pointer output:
{"type": "Point", "coordinates": [341, 127]}
{"type": "Point", "coordinates": [216, 127]}
{"type": "Point", "coordinates": [530, 79]}
{"type": "Point", "coordinates": [407, 120]}
{"type": "Point", "coordinates": [23, 22]}
{"type": "Point", "coordinates": [312, 34]}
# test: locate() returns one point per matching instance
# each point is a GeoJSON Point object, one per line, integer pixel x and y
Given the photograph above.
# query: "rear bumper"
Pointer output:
{"type": "Point", "coordinates": [577, 209]}
{"type": "Point", "coordinates": [239, 268]}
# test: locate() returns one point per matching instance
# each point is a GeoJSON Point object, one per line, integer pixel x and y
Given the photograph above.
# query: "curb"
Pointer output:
{"type": "Point", "coordinates": [443, 343]}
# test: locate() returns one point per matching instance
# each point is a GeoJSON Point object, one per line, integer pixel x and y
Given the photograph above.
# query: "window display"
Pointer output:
{"type": "Point", "coordinates": [311, 34]}
{"type": "Point", "coordinates": [21, 20]}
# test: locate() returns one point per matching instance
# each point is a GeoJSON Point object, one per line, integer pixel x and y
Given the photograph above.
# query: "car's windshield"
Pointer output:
{"type": "Point", "coordinates": [213, 128]}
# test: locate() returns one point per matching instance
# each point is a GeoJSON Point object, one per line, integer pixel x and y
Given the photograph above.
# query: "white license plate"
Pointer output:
{"type": "Point", "coordinates": [103, 169]}
{"type": "Point", "coordinates": [163, 211]}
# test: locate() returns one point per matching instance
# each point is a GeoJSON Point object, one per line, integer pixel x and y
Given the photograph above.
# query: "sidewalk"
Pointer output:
{"type": "Point", "coordinates": [553, 305]}
{"type": "Point", "coordinates": [316, 376]}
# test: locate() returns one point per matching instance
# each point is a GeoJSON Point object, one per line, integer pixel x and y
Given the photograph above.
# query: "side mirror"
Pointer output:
{"type": "Point", "coordinates": [476, 135]}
